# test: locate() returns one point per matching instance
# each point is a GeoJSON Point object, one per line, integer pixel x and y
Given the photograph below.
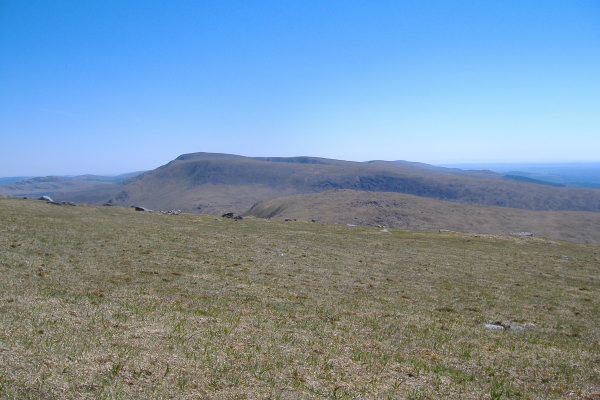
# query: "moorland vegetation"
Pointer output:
{"type": "Point", "coordinates": [109, 303]}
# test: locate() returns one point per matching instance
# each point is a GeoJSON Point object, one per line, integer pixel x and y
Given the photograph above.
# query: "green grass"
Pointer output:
{"type": "Point", "coordinates": [109, 303]}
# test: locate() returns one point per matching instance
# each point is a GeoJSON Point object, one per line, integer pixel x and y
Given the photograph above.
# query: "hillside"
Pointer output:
{"type": "Point", "coordinates": [418, 213]}
{"type": "Point", "coordinates": [217, 183]}
{"type": "Point", "coordinates": [107, 302]}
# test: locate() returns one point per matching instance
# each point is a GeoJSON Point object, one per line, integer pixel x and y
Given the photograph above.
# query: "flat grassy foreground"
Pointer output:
{"type": "Point", "coordinates": [110, 303]}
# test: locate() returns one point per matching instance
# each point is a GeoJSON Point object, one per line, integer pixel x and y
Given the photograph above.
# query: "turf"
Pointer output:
{"type": "Point", "coordinates": [110, 303]}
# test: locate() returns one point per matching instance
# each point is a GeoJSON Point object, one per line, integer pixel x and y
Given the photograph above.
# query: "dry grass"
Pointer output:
{"type": "Point", "coordinates": [405, 211]}
{"type": "Point", "coordinates": [109, 303]}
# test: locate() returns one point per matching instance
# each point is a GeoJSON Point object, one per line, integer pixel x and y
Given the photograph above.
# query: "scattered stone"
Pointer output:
{"type": "Point", "coordinates": [171, 212]}
{"type": "Point", "coordinates": [516, 328]}
{"type": "Point", "coordinates": [290, 219]}
{"type": "Point", "coordinates": [493, 327]}
{"type": "Point", "coordinates": [512, 327]}
{"type": "Point", "coordinates": [49, 200]}
{"type": "Point", "coordinates": [381, 226]}
{"type": "Point", "coordinates": [522, 233]}
{"type": "Point", "coordinates": [231, 215]}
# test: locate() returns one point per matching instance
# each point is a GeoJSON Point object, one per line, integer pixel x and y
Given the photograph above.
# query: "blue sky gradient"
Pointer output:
{"type": "Point", "coordinates": [117, 86]}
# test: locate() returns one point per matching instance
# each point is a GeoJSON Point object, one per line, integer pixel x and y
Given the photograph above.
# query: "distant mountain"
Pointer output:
{"type": "Point", "coordinates": [524, 178]}
{"type": "Point", "coordinates": [12, 179]}
{"type": "Point", "coordinates": [421, 168]}
{"type": "Point", "coordinates": [61, 186]}
{"type": "Point", "coordinates": [397, 210]}
{"type": "Point", "coordinates": [575, 174]}
{"type": "Point", "coordinates": [110, 179]}
{"type": "Point", "coordinates": [215, 183]}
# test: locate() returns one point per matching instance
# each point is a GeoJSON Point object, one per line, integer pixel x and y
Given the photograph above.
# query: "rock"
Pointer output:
{"type": "Point", "coordinates": [171, 212]}
{"type": "Point", "coordinates": [524, 327]}
{"type": "Point", "coordinates": [493, 327]}
{"type": "Point", "coordinates": [511, 327]}
{"type": "Point", "coordinates": [384, 231]}
{"type": "Point", "coordinates": [138, 208]}
{"type": "Point", "coordinates": [231, 215]}
{"type": "Point", "coordinates": [444, 230]}
{"type": "Point", "coordinates": [522, 233]}
{"type": "Point", "coordinates": [315, 220]}
{"type": "Point", "coordinates": [67, 203]}
{"type": "Point", "coordinates": [516, 328]}
{"type": "Point", "coordinates": [47, 198]}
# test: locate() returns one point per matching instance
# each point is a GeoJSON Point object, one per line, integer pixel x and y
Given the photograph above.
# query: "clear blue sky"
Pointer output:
{"type": "Point", "coordinates": [116, 86]}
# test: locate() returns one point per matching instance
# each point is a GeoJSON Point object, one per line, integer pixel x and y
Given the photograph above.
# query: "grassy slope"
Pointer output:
{"type": "Point", "coordinates": [419, 213]}
{"type": "Point", "coordinates": [106, 302]}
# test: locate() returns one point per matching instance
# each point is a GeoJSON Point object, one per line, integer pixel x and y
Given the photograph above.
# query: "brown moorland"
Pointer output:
{"type": "Point", "coordinates": [404, 211]}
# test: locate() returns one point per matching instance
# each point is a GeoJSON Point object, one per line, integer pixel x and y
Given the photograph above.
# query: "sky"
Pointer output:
{"type": "Point", "coordinates": [108, 87]}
